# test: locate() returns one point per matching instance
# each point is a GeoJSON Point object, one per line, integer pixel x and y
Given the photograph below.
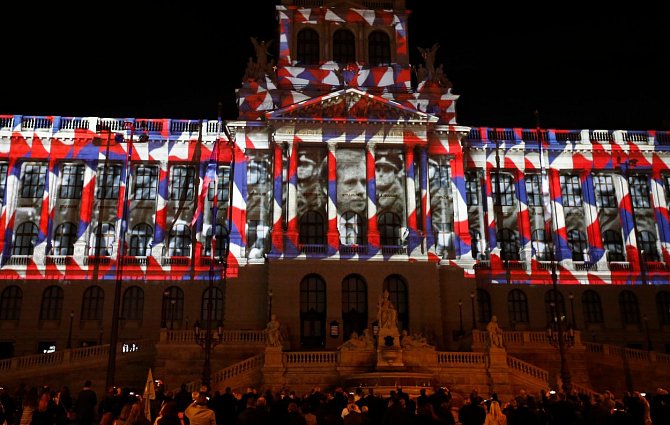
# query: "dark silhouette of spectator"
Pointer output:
{"type": "Point", "coordinates": [85, 405]}
{"type": "Point", "coordinates": [472, 413]}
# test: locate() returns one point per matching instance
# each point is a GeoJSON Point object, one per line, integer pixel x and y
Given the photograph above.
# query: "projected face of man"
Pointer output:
{"type": "Point", "coordinates": [351, 186]}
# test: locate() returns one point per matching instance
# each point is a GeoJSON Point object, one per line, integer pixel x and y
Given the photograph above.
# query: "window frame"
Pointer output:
{"type": "Point", "coordinates": [33, 180]}
{"type": "Point", "coordinates": [571, 190]}
{"type": "Point", "coordinates": [108, 181]}
{"type": "Point", "coordinates": [71, 181]}
{"type": "Point", "coordinates": [146, 182]}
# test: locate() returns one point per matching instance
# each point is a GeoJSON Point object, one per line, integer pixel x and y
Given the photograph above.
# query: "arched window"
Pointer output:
{"type": "Point", "coordinates": [509, 246]}
{"type": "Point", "coordinates": [663, 306]}
{"type": "Point", "coordinates": [312, 311]}
{"type": "Point", "coordinates": [308, 47]}
{"type": "Point", "coordinates": [344, 46]}
{"type": "Point", "coordinates": [312, 229]}
{"type": "Point", "coordinates": [102, 240]}
{"type": "Point", "coordinates": [379, 49]}
{"type": "Point", "coordinates": [389, 229]}
{"type": "Point", "coordinates": [354, 305]}
{"type": "Point", "coordinates": [352, 229]}
{"type": "Point", "coordinates": [52, 303]}
{"type": "Point", "coordinates": [180, 241]}
{"type": "Point", "coordinates": [648, 246]}
{"type": "Point", "coordinates": [517, 305]}
{"type": "Point", "coordinates": [25, 239]}
{"type": "Point", "coordinates": [173, 306]}
{"type": "Point", "coordinates": [577, 244]}
{"type": "Point", "coordinates": [613, 243]}
{"type": "Point", "coordinates": [132, 307]}
{"type": "Point", "coordinates": [10, 303]}
{"type": "Point", "coordinates": [221, 241]}
{"type": "Point", "coordinates": [64, 238]}
{"type": "Point", "coordinates": [141, 239]}
{"type": "Point", "coordinates": [630, 310]}
{"type": "Point", "coordinates": [593, 309]}
{"type": "Point", "coordinates": [558, 309]}
{"type": "Point", "coordinates": [540, 245]}
{"type": "Point", "coordinates": [92, 303]}
{"type": "Point", "coordinates": [483, 306]}
{"type": "Point", "coordinates": [397, 288]}
{"type": "Point", "coordinates": [217, 306]}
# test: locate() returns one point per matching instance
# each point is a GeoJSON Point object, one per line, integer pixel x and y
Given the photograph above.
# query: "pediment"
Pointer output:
{"type": "Point", "coordinates": [350, 105]}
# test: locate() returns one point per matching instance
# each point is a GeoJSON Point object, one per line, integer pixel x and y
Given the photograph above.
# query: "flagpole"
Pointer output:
{"type": "Point", "coordinates": [557, 316]}
{"type": "Point", "coordinates": [114, 336]}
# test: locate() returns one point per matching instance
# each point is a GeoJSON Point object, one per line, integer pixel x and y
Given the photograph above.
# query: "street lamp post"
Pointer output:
{"type": "Point", "coordinates": [571, 297]}
{"type": "Point", "coordinates": [645, 318]}
{"type": "Point", "coordinates": [204, 339]}
{"type": "Point", "coordinates": [460, 317]}
{"type": "Point", "coordinates": [269, 304]}
{"type": "Point", "coordinates": [173, 304]}
{"type": "Point", "coordinates": [472, 303]}
{"type": "Point", "coordinates": [563, 338]}
{"type": "Point", "coordinates": [69, 332]}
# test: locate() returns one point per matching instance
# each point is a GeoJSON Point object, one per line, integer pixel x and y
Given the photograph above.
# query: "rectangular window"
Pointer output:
{"type": "Point", "coordinates": [534, 190]}
{"type": "Point", "coordinates": [3, 180]}
{"type": "Point", "coordinates": [603, 186]}
{"type": "Point", "coordinates": [507, 192]}
{"type": "Point", "coordinates": [223, 175]}
{"type": "Point", "coordinates": [639, 191]}
{"type": "Point", "coordinates": [146, 183]}
{"type": "Point", "coordinates": [72, 181]}
{"type": "Point", "coordinates": [471, 188]}
{"type": "Point", "coordinates": [109, 181]}
{"type": "Point", "coordinates": [33, 180]}
{"type": "Point", "coordinates": [183, 181]}
{"type": "Point", "coordinates": [571, 190]}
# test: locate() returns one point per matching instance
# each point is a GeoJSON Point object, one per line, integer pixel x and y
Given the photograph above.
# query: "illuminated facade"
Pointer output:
{"type": "Point", "coordinates": [340, 178]}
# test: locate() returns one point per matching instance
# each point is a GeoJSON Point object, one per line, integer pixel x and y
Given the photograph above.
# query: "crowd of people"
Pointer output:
{"type": "Point", "coordinates": [122, 407]}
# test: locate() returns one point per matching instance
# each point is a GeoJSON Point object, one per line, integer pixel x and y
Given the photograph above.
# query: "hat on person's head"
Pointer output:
{"type": "Point", "coordinates": [388, 159]}
{"type": "Point", "coordinates": [304, 156]}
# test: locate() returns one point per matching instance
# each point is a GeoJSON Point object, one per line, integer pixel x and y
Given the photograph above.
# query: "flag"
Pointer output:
{"type": "Point", "coordinates": [148, 395]}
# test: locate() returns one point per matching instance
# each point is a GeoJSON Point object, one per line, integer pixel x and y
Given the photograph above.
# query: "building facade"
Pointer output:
{"type": "Point", "coordinates": [345, 174]}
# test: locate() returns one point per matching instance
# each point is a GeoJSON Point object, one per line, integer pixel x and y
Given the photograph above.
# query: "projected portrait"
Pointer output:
{"type": "Point", "coordinates": [259, 194]}
{"type": "Point", "coordinates": [312, 174]}
{"type": "Point", "coordinates": [390, 182]}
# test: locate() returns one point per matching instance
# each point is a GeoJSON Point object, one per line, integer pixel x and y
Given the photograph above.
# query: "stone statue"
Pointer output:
{"type": "Point", "coordinates": [359, 342]}
{"type": "Point", "coordinates": [273, 336]}
{"type": "Point", "coordinates": [261, 49]}
{"type": "Point", "coordinates": [495, 333]}
{"type": "Point", "coordinates": [428, 56]}
{"type": "Point", "coordinates": [387, 315]}
{"type": "Point", "coordinates": [416, 340]}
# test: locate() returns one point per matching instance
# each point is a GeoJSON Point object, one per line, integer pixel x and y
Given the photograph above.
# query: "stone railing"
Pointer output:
{"type": "Point", "coordinates": [72, 357]}
{"type": "Point", "coordinates": [520, 338]}
{"type": "Point", "coordinates": [157, 126]}
{"type": "Point", "coordinates": [187, 336]}
{"type": "Point", "coordinates": [311, 358]}
{"type": "Point", "coordinates": [528, 369]}
{"type": "Point", "coordinates": [221, 378]}
{"type": "Point", "coordinates": [630, 354]}
{"type": "Point", "coordinates": [457, 358]}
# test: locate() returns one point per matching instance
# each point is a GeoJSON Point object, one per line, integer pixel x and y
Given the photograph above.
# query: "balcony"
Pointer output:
{"type": "Point", "coordinates": [353, 249]}
{"type": "Point", "coordinates": [312, 248]}
{"type": "Point", "coordinates": [134, 261]}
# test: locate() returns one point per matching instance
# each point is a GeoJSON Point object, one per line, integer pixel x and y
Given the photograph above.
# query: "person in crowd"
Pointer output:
{"type": "Point", "coordinates": [168, 415]}
{"type": "Point", "coordinates": [198, 413]}
{"type": "Point", "coordinates": [85, 405]}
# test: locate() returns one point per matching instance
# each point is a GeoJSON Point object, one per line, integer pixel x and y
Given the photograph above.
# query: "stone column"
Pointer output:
{"type": "Point", "coordinates": [373, 230]}
{"type": "Point", "coordinates": [292, 231]}
{"type": "Point", "coordinates": [463, 241]}
{"type": "Point", "coordinates": [333, 234]}
{"type": "Point", "coordinates": [410, 191]}
{"type": "Point", "coordinates": [277, 215]}
{"type": "Point", "coordinates": [594, 235]}
{"type": "Point", "coordinates": [659, 203]}
{"type": "Point", "coordinates": [523, 221]}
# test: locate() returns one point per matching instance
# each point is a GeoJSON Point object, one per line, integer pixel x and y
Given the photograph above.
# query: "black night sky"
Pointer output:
{"type": "Point", "coordinates": [602, 69]}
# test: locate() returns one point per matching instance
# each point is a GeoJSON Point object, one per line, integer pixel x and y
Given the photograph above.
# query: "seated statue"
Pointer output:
{"type": "Point", "coordinates": [417, 340]}
{"type": "Point", "coordinates": [359, 342]}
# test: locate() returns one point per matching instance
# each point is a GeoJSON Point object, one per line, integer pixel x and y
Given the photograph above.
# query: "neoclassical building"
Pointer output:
{"type": "Point", "coordinates": [345, 175]}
